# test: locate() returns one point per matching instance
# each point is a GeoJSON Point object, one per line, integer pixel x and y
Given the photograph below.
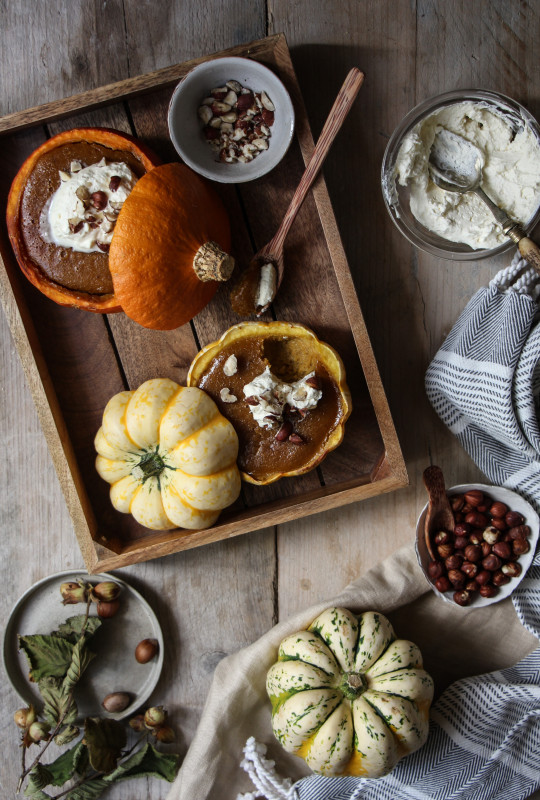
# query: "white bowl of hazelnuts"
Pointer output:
{"type": "Point", "coordinates": [491, 548]}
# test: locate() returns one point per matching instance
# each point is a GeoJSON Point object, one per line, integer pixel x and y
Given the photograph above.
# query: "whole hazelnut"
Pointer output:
{"type": "Point", "coordinates": [499, 578]}
{"type": "Point", "coordinates": [147, 649]}
{"type": "Point", "coordinates": [442, 537]}
{"type": "Point", "coordinates": [454, 561]}
{"type": "Point", "coordinates": [483, 577]}
{"type": "Point", "coordinates": [488, 590]}
{"type": "Point", "coordinates": [498, 509]}
{"type": "Point", "coordinates": [491, 535]}
{"type": "Point", "coordinates": [473, 552]}
{"type": "Point", "coordinates": [470, 569]}
{"type": "Point", "coordinates": [106, 610]}
{"type": "Point", "coordinates": [486, 549]}
{"type": "Point", "coordinates": [499, 523]}
{"type": "Point", "coordinates": [463, 529]}
{"type": "Point", "coordinates": [457, 501]}
{"type": "Point", "coordinates": [456, 578]}
{"type": "Point", "coordinates": [492, 562]}
{"type": "Point", "coordinates": [443, 584]}
{"type": "Point", "coordinates": [474, 497]}
{"type": "Point", "coordinates": [520, 546]}
{"type": "Point", "coordinates": [116, 702]}
{"type": "Point", "coordinates": [477, 520]}
{"type": "Point", "coordinates": [460, 542]}
{"type": "Point", "coordinates": [476, 537]}
{"type": "Point", "coordinates": [462, 598]}
{"type": "Point", "coordinates": [106, 591]}
{"type": "Point", "coordinates": [435, 569]}
{"type": "Point", "coordinates": [512, 569]}
{"type": "Point", "coordinates": [513, 518]}
{"type": "Point", "coordinates": [519, 532]}
{"type": "Point", "coordinates": [445, 550]}
{"type": "Point", "coordinates": [472, 586]}
{"type": "Point", "coordinates": [503, 550]}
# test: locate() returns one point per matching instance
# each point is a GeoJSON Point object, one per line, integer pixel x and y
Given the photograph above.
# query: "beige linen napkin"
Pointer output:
{"type": "Point", "coordinates": [455, 642]}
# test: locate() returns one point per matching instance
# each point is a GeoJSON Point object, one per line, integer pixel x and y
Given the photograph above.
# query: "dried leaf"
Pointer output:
{"type": "Point", "coordinates": [38, 778]}
{"type": "Point", "coordinates": [48, 656]}
{"type": "Point", "coordinates": [105, 739]}
{"type": "Point", "coordinates": [146, 762]}
{"type": "Point", "coordinates": [58, 704]}
{"type": "Point", "coordinates": [71, 629]}
{"type": "Point", "coordinates": [80, 658]}
{"type": "Point", "coordinates": [90, 790]}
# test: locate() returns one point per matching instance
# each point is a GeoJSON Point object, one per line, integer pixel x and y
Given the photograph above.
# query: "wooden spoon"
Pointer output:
{"type": "Point", "coordinates": [245, 298]}
{"type": "Point", "coordinates": [439, 515]}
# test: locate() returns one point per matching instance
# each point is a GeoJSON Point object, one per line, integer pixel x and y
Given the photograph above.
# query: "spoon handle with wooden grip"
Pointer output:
{"type": "Point", "coordinates": [338, 112]}
{"type": "Point", "coordinates": [529, 250]}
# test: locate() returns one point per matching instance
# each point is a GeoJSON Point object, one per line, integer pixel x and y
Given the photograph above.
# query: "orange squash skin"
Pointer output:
{"type": "Point", "coordinates": [106, 303]}
{"type": "Point", "coordinates": [168, 216]}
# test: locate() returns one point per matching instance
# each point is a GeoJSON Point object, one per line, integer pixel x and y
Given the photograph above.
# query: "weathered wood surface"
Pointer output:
{"type": "Point", "coordinates": [217, 598]}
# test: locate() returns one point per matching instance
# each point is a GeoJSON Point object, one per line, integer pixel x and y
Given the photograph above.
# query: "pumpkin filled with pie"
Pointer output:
{"type": "Point", "coordinates": [62, 210]}
{"type": "Point", "coordinates": [95, 223]}
{"type": "Point", "coordinates": [284, 391]}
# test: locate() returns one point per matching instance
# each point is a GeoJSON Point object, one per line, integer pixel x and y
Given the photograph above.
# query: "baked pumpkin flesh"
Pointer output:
{"type": "Point", "coordinates": [261, 454]}
{"type": "Point", "coordinates": [79, 271]}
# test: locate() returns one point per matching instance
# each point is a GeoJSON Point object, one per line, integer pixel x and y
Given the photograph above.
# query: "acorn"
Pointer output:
{"type": "Point", "coordinates": [137, 723]}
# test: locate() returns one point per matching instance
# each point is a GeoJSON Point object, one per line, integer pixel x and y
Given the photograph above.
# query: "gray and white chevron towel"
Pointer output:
{"type": "Point", "coordinates": [484, 741]}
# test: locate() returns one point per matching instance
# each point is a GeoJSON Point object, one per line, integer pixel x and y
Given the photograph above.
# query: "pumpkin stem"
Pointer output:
{"type": "Point", "coordinates": [151, 465]}
{"type": "Point", "coordinates": [211, 263]}
{"type": "Point", "coordinates": [353, 684]}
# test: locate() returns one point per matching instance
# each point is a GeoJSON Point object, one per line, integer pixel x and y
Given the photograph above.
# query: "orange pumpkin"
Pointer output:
{"type": "Point", "coordinates": [169, 248]}
{"type": "Point", "coordinates": [115, 140]}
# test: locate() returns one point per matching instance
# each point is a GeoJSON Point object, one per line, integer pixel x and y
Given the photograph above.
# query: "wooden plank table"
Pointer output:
{"type": "Point", "coordinates": [218, 598]}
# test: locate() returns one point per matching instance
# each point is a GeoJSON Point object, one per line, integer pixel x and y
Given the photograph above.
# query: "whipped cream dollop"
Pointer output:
{"type": "Point", "coordinates": [511, 174]}
{"type": "Point", "coordinates": [82, 213]}
{"type": "Point", "coordinates": [267, 396]}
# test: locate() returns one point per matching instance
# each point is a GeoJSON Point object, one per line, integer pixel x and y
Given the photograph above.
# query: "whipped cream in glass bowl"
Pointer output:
{"type": "Point", "coordinates": [459, 226]}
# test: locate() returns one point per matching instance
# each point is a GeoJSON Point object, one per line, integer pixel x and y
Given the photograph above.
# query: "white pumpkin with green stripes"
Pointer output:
{"type": "Point", "coordinates": [349, 697]}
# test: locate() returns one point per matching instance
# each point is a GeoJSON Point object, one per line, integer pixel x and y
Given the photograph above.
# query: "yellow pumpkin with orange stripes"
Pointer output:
{"type": "Point", "coordinates": [348, 696]}
{"type": "Point", "coordinates": [169, 455]}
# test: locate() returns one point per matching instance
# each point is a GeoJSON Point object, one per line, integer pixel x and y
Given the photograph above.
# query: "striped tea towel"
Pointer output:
{"type": "Point", "coordinates": [484, 741]}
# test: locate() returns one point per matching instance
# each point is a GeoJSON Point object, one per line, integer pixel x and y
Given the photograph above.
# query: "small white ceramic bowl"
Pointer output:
{"type": "Point", "coordinates": [514, 502]}
{"type": "Point", "coordinates": [186, 129]}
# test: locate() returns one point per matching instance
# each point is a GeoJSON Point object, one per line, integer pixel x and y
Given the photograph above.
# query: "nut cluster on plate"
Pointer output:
{"type": "Point", "coordinates": [237, 122]}
{"type": "Point", "coordinates": [483, 552]}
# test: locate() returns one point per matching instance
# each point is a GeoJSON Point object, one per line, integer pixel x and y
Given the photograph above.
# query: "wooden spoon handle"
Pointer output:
{"type": "Point", "coordinates": [342, 105]}
{"type": "Point", "coordinates": [530, 252]}
{"type": "Point", "coordinates": [434, 483]}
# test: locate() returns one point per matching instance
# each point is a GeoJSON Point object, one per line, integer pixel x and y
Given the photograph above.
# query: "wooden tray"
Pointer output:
{"type": "Point", "coordinates": [75, 361]}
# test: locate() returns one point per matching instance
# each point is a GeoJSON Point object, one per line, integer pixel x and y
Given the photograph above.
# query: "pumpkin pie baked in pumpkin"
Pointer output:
{"type": "Point", "coordinates": [284, 391]}
{"type": "Point", "coordinates": [95, 224]}
{"type": "Point", "coordinates": [62, 210]}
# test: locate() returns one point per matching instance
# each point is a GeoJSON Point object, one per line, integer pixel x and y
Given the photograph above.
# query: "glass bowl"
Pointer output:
{"type": "Point", "coordinates": [396, 197]}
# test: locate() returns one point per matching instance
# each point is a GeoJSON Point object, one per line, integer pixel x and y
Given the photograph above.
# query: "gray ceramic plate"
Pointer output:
{"type": "Point", "coordinates": [40, 610]}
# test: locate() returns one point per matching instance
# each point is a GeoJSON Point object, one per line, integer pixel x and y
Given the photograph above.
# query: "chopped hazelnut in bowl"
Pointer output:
{"type": "Point", "coordinates": [490, 550]}
{"type": "Point", "coordinates": [231, 119]}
